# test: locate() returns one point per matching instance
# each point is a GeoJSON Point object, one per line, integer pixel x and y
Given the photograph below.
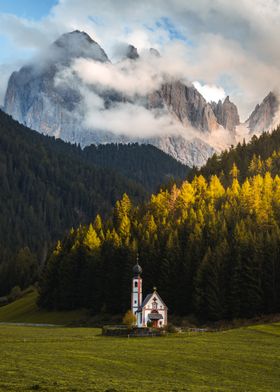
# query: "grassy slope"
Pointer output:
{"type": "Point", "coordinates": [78, 359]}
{"type": "Point", "coordinates": [25, 310]}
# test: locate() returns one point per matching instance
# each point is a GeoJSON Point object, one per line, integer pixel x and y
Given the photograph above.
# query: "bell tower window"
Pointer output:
{"type": "Point", "coordinates": [135, 284]}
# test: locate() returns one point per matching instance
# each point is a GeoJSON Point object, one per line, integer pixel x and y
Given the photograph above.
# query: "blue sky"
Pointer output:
{"type": "Point", "coordinates": [27, 9]}
{"type": "Point", "coordinates": [31, 9]}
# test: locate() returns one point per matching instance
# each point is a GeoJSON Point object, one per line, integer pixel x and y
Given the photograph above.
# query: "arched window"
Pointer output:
{"type": "Point", "coordinates": [136, 284]}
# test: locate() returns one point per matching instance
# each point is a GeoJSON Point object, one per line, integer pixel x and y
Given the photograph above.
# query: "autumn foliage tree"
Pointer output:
{"type": "Point", "coordinates": [129, 319]}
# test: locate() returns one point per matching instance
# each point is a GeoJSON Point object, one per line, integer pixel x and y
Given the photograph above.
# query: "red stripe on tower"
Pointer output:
{"type": "Point", "coordinates": [138, 291]}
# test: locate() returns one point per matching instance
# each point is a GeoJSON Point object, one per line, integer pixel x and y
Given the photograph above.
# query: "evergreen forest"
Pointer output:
{"type": "Point", "coordinates": [210, 245]}
{"type": "Point", "coordinates": [49, 186]}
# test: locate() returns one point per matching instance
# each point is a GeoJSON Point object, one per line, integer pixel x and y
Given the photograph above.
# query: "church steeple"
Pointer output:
{"type": "Point", "coordinates": [137, 270]}
{"type": "Point", "coordinates": [136, 296]}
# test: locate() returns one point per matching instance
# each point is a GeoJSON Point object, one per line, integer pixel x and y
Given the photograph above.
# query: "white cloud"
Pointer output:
{"type": "Point", "coordinates": [130, 120]}
{"type": "Point", "coordinates": [210, 92]}
{"type": "Point", "coordinates": [131, 77]}
{"type": "Point", "coordinates": [124, 118]}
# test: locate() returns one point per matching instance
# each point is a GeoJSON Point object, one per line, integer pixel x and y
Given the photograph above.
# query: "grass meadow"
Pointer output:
{"type": "Point", "coordinates": [80, 359]}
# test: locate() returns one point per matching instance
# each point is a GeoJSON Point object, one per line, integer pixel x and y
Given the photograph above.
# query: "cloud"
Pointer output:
{"type": "Point", "coordinates": [5, 72]}
{"type": "Point", "coordinates": [233, 45]}
{"type": "Point", "coordinates": [210, 92]}
{"type": "Point", "coordinates": [133, 81]}
{"type": "Point", "coordinates": [128, 115]}
{"type": "Point", "coordinates": [128, 119]}
{"type": "Point", "coordinates": [131, 77]}
{"type": "Point", "coordinates": [128, 77]}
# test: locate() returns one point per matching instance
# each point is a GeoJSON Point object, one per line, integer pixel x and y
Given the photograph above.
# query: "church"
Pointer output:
{"type": "Point", "coordinates": [152, 311]}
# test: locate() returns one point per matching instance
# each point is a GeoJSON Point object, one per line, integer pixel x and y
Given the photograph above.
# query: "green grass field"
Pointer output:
{"type": "Point", "coordinates": [79, 359]}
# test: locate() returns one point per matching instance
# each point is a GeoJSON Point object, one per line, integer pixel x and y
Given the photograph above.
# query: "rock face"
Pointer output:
{"type": "Point", "coordinates": [74, 45]}
{"type": "Point", "coordinates": [193, 152]}
{"type": "Point", "coordinates": [187, 104]}
{"type": "Point", "coordinates": [154, 52]}
{"type": "Point", "coordinates": [227, 114]}
{"type": "Point", "coordinates": [132, 52]}
{"type": "Point", "coordinates": [262, 118]}
{"type": "Point", "coordinates": [35, 98]}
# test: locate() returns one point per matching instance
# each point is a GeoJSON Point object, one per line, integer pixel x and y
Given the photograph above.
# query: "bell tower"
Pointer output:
{"type": "Point", "coordinates": [136, 295]}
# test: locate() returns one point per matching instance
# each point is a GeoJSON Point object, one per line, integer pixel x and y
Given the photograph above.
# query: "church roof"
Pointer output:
{"type": "Point", "coordinates": [148, 297]}
{"type": "Point", "coordinates": [146, 300]}
{"type": "Point", "coordinates": [155, 316]}
{"type": "Point", "coordinates": [159, 297]}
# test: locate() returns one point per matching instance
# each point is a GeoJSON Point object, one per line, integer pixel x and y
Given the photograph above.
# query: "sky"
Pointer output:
{"type": "Point", "coordinates": [226, 48]}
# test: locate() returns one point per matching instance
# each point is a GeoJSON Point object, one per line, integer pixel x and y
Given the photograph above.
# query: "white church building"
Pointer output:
{"type": "Point", "coordinates": [150, 311]}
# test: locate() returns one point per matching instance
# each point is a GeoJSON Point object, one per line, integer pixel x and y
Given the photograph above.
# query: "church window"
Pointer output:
{"type": "Point", "coordinates": [154, 305]}
{"type": "Point", "coordinates": [135, 284]}
{"type": "Point", "coordinates": [135, 301]}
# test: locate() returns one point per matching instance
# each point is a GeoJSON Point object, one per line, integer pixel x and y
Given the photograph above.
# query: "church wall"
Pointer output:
{"type": "Point", "coordinates": [146, 311]}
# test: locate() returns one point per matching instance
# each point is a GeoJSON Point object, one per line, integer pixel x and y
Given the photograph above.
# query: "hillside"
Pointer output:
{"type": "Point", "coordinates": [245, 156]}
{"type": "Point", "coordinates": [26, 310]}
{"type": "Point", "coordinates": [49, 186]}
{"type": "Point", "coordinates": [145, 164]}
{"type": "Point", "coordinates": [211, 250]}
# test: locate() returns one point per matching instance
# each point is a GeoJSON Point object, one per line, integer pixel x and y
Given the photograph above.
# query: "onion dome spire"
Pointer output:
{"type": "Point", "coordinates": [137, 270]}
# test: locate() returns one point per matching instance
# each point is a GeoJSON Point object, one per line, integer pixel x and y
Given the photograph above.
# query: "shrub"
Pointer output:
{"type": "Point", "coordinates": [129, 319]}
{"type": "Point", "coordinates": [171, 328]}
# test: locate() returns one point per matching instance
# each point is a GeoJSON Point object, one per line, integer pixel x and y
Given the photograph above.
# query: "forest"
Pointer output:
{"type": "Point", "coordinates": [49, 186]}
{"type": "Point", "coordinates": [144, 164]}
{"type": "Point", "coordinates": [250, 158]}
{"type": "Point", "coordinates": [211, 245]}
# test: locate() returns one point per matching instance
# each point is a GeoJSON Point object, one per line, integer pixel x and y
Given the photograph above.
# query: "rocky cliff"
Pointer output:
{"type": "Point", "coordinates": [186, 104]}
{"type": "Point", "coordinates": [35, 98]}
{"type": "Point", "coordinates": [262, 118]}
{"type": "Point", "coordinates": [226, 114]}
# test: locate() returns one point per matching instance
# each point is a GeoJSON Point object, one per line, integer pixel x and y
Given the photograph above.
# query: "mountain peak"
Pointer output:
{"type": "Point", "coordinates": [75, 33]}
{"type": "Point", "coordinates": [226, 113]}
{"type": "Point", "coordinates": [77, 44]}
{"type": "Point", "coordinates": [227, 99]}
{"type": "Point", "coordinates": [262, 117]}
{"type": "Point", "coordinates": [131, 52]}
{"type": "Point", "coordinates": [154, 52]}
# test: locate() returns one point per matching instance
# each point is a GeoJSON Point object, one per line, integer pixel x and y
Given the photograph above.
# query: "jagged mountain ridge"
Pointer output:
{"type": "Point", "coordinates": [227, 114]}
{"type": "Point", "coordinates": [35, 99]}
{"type": "Point", "coordinates": [263, 115]}
{"type": "Point", "coordinates": [187, 104]}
